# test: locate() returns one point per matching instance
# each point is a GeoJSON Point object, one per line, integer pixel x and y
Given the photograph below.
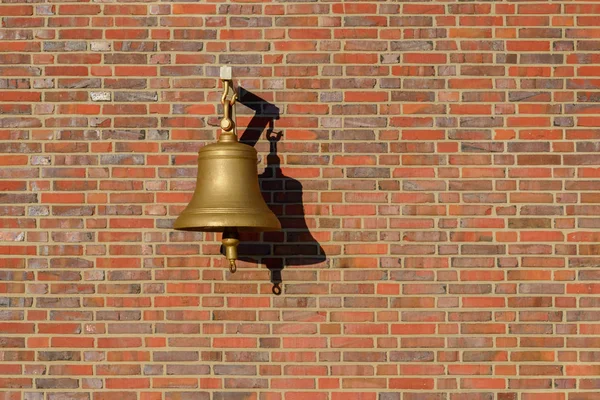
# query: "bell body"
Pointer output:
{"type": "Point", "coordinates": [227, 194]}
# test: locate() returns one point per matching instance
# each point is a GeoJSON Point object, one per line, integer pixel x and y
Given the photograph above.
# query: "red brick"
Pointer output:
{"type": "Point", "coordinates": [194, 9]}
{"type": "Point", "coordinates": [442, 156]}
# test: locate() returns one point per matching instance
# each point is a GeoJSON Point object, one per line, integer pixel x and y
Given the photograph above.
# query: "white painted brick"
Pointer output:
{"type": "Point", "coordinates": [100, 46]}
{"type": "Point", "coordinates": [226, 73]}
{"type": "Point", "coordinates": [100, 96]}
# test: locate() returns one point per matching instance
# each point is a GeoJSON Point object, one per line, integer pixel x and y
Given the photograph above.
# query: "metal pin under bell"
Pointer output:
{"type": "Point", "coordinates": [231, 239]}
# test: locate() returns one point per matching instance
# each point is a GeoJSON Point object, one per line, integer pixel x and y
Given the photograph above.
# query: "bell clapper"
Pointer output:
{"type": "Point", "coordinates": [230, 241]}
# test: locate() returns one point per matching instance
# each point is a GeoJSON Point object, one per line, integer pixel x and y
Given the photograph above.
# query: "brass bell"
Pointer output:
{"type": "Point", "coordinates": [227, 197]}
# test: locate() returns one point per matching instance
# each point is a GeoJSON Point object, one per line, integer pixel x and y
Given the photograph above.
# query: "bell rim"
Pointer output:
{"type": "Point", "coordinates": [221, 228]}
{"type": "Point", "coordinates": [209, 225]}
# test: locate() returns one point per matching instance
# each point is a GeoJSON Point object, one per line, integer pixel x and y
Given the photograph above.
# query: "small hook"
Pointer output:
{"type": "Point", "coordinates": [227, 123]}
{"type": "Point", "coordinates": [232, 266]}
{"type": "Point", "coordinates": [276, 289]}
{"type": "Point", "coordinates": [227, 85]}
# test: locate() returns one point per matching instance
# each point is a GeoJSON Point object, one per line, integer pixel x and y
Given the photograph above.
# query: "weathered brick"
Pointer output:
{"type": "Point", "coordinates": [435, 174]}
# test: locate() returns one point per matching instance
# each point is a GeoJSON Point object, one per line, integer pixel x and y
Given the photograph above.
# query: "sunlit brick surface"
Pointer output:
{"type": "Point", "coordinates": [434, 164]}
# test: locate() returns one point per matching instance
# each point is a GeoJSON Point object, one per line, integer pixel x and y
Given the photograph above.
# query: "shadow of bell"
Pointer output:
{"type": "Point", "coordinates": [294, 245]}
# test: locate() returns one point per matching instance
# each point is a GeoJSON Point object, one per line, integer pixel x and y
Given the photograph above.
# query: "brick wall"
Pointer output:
{"type": "Point", "coordinates": [435, 166]}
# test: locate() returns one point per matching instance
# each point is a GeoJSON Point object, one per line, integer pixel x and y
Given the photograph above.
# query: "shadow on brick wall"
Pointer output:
{"type": "Point", "coordinates": [294, 245]}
